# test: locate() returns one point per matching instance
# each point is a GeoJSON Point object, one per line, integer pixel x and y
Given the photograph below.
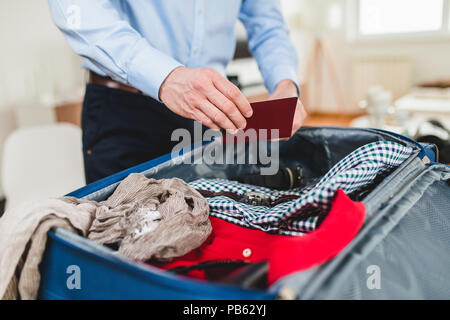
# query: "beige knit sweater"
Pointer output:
{"type": "Point", "coordinates": [148, 218]}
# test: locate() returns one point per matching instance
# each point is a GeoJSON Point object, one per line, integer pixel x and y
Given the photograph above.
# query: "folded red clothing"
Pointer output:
{"type": "Point", "coordinates": [285, 254]}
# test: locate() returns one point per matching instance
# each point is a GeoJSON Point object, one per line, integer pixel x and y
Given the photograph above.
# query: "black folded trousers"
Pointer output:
{"type": "Point", "coordinates": [123, 129]}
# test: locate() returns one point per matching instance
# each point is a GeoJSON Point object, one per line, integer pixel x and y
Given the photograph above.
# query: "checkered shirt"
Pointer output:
{"type": "Point", "coordinates": [303, 215]}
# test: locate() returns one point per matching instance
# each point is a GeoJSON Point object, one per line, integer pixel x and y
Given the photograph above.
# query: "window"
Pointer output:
{"type": "Point", "coordinates": [400, 18]}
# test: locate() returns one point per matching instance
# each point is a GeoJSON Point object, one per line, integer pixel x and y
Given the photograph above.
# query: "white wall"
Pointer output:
{"type": "Point", "coordinates": [430, 58]}
{"type": "Point", "coordinates": [37, 67]}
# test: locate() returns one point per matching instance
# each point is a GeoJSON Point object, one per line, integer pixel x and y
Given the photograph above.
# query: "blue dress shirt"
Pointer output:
{"type": "Point", "coordinates": [139, 42]}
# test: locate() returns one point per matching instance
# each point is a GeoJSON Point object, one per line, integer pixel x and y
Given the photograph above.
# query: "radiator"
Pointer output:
{"type": "Point", "coordinates": [392, 73]}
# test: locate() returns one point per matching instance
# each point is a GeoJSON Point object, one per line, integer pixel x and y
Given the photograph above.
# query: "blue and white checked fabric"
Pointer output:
{"type": "Point", "coordinates": [302, 215]}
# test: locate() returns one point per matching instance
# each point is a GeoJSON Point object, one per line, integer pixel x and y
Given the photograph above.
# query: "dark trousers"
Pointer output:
{"type": "Point", "coordinates": [122, 129]}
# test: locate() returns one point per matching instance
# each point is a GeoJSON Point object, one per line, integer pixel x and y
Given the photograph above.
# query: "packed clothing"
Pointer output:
{"type": "Point", "coordinates": [310, 205]}
{"type": "Point", "coordinates": [175, 225]}
{"type": "Point", "coordinates": [148, 218]}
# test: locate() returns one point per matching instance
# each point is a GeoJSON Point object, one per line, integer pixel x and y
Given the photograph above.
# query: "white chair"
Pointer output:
{"type": "Point", "coordinates": [8, 123]}
{"type": "Point", "coordinates": [42, 162]}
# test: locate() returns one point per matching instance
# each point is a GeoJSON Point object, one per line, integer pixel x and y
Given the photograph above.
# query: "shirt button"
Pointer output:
{"type": "Point", "coordinates": [195, 50]}
{"type": "Point", "coordinates": [200, 11]}
{"type": "Point", "coordinates": [89, 152]}
{"type": "Point", "coordinates": [247, 253]}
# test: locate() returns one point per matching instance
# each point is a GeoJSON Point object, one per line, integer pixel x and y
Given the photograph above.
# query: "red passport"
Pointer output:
{"type": "Point", "coordinates": [269, 115]}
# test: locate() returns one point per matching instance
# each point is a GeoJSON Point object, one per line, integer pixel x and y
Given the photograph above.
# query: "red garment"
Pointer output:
{"type": "Point", "coordinates": [285, 254]}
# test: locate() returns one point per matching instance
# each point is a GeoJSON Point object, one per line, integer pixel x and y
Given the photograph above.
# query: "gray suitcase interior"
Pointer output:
{"type": "Point", "coordinates": [406, 235]}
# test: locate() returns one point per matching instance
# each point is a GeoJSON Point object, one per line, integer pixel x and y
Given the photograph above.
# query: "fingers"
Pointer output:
{"type": "Point", "coordinates": [215, 115]}
{"type": "Point", "coordinates": [230, 91]}
{"type": "Point", "coordinates": [299, 117]}
{"type": "Point", "coordinates": [204, 119]}
{"type": "Point", "coordinates": [301, 113]}
{"type": "Point", "coordinates": [205, 95]}
{"type": "Point", "coordinates": [227, 107]}
{"type": "Point", "coordinates": [226, 97]}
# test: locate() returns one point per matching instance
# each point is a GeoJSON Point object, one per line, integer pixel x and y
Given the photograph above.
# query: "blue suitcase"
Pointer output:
{"type": "Point", "coordinates": [405, 238]}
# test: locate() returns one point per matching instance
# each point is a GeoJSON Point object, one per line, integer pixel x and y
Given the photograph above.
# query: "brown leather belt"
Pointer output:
{"type": "Point", "coordinates": [99, 80]}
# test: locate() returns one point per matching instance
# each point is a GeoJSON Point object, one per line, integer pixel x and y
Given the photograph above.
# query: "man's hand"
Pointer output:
{"type": "Point", "coordinates": [204, 95]}
{"type": "Point", "coordinates": [286, 89]}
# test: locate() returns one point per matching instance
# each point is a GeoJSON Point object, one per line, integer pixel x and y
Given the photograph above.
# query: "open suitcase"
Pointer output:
{"type": "Point", "coordinates": [405, 239]}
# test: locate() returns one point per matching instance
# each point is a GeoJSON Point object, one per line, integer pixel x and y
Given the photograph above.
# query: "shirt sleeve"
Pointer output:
{"type": "Point", "coordinates": [269, 42]}
{"type": "Point", "coordinates": [96, 31]}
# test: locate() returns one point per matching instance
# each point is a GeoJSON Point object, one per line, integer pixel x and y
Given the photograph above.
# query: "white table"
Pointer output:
{"type": "Point", "coordinates": [416, 107]}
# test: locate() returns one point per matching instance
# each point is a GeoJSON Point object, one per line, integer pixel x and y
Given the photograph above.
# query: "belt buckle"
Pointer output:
{"type": "Point", "coordinates": [256, 198]}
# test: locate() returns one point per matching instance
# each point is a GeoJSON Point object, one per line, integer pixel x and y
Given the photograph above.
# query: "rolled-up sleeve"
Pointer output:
{"type": "Point", "coordinates": [269, 41]}
{"type": "Point", "coordinates": [95, 31]}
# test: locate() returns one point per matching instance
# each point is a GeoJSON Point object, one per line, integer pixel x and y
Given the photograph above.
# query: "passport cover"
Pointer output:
{"type": "Point", "coordinates": [269, 115]}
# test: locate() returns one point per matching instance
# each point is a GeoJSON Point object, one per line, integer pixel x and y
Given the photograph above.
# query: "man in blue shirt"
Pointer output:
{"type": "Point", "coordinates": [158, 65]}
